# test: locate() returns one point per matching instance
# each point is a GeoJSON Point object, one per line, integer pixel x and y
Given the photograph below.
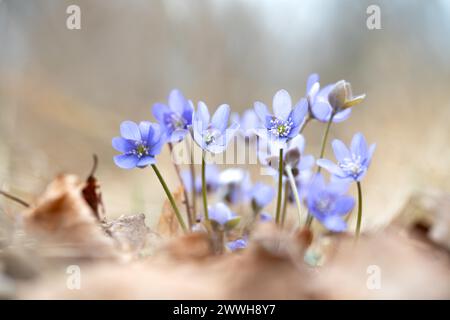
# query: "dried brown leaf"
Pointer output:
{"type": "Point", "coordinates": [168, 224]}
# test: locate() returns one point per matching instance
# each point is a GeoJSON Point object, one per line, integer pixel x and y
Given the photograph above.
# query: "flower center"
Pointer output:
{"type": "Point", "coordinates": [140, 149]}
{"type": "Point", "coordinates": [174, 121]}
{"type": "Point", "coordinates": [280, 128]}
{"type": "Point", "coordinates": [325, 203]}
{"type": "Point", "coordinates": [352, 166]}
{"type": "Point", "coordinates": [211, 135]}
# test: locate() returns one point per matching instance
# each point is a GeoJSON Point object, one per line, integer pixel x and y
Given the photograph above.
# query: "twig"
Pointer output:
{"type": "Point", "coordinates": [14, 198]}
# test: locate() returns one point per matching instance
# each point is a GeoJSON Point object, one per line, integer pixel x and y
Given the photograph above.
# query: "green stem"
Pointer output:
{"type": "Point", "coordinates": [170, 197]}
{"type": "Point", "coordinates": [310, 218]}
{"type": "Point", "coordinates": [185, 193]}
{"type": "Point", "coordinates": [280, 186]}
{"type": "Point", "coordinates": [358, 221]}
{"type": "Point", "coordinates": [295, 192]}
{"type": "Point", "coordinates": [324, 140]}
{"type": "Point", "coordinates": [205, 200]}
{"type": "Point", "coordinates": [192, 170]}
{"type": "Point", "coordinates": [285, 203]}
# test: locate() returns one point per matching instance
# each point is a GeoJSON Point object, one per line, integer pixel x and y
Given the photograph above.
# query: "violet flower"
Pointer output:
{"type": "Point", "coordinates": [334, 99]}
{"type": "Point", "coordinates": [235, 185]}
{"type": "Point", "coordinates": [328, 203]}
{"type": "Point", "coordinates": [351, 163]}
{"type": "Point", "coordinates": [285, 122]}
{"type": "Point", "coordinates": [237, 244]}
{"type": "Point", "coordinates": [212, 180]}
{"type": "Point", "coordinates": [176, 117]}
{"type": "Point", "coordinates": [248, 123]}
{"type": "Point", "coordinates": [211, 133]}
{"type": "Point", "coordinates": [261, 195]}
{"type": "Point", "coordinates": [138, 143]}
{"type": "Point", "coordinates": [223, 216]}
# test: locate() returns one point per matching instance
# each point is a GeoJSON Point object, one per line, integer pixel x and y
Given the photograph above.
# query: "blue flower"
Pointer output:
{"type": "Point", "coordinates": [334, 99]}
{"type": "Point", "coordinates": [237, 244]}
{"type": "Point", "coordinates": [223, 216]}
{"type": "Point", "coordinates": [285, 122]}
{"type": "Point", "coordinates": [265, 217]}
{"type": "Point", "coordinates": [352, 163]}
{"type": "Point", "coordinates": [139, 144]}
{"type": "Point", "coordinates": [261, 195]}
{"type": "Point", "coordinates": [176, 117]}
{"type": "Point", "coordinates": [293, 156]}
{"type": "Point", "coordinates": [235, 185]}
{"type": "Point", "coordinates": [211, 133]}
{"type": "Point", "coordinates": [247, 123]}
{"type": "Point", "coordinates": [212, 180]}
{"type": "Point", "coordinates": [328, 203]}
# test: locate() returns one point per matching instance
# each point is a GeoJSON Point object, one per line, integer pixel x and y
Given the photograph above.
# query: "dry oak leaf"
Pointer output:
{"type": "Point", "coordinates": [64, 222]}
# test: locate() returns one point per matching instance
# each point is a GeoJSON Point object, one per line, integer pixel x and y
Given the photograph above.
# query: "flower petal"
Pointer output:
{"type": "Point", "coordinates": [122, 145]}
{"type": "Point", "coordinates": [177, 102]}
{"type": "Point", "coordinates": [359, 145]}
{"type": "Point", "coordinates": [202, 115]}
{"type": "Point", "coordinates": [342, 115]}
{"type": "Point", "coordinates": [306, 162]}
{"type": "Point", "coordinates": [298, 114]}
{"type": "Point", "coordinates": [330, 167]}
{"type": "Point", "coordinates": [344, 205]}
{"type": "Point", "coordinates": [312, 80]}
{"type": "Point", "coordinates": [321, 110]}
{"type": "Point", "coordinates": [145, 161]}
{"type": "Point", "coordinates": [261, 111]}
{"type": "Point", "coordinates": [220, 118]}
{"type": "Point", "coordinates": [297, 143]}
{"type": "Point", "coordinates": [340, 150]}
{"type": "Point", "coordinates": [126, 161]}
{"type": "Point", "coordinates": [158, 110]}
{"type": "Point", "coordinates": [130, 130]}
{"type": "Point", "coordinates": [334, 223]}
{"type": "Point", "coordinates": [282, 104]}
{"type": "Point", "coordinates": [146, 130]}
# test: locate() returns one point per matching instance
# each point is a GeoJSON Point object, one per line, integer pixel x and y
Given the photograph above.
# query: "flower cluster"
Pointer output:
{"type": "Point", "coordinates": [280, 145]}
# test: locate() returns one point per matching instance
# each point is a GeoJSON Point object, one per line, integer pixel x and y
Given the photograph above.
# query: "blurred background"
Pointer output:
{"type": "Point", "coordinates": [63, 93]}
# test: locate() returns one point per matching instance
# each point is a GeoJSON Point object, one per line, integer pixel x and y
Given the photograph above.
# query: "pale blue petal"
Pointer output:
{"type": "Point", "coordinates": [344, 205]}
{"type": "Point", "coordinates": [359, 145]}
{"type": "Point", "coordinates": [220, 118]}
{"type": "Point", "coordinates": [306, 162]}
{"type": "Point", "coordinates": [297, 143]}
{"type": "Point", "coordinates": [312, 79]}
{"type": "Point", "coordinates": [177, 102]}
{"type": "Point", "coordinates": [146, 130]}
{"type": "Point", "coordinates": [126, 161]}
{"type": "Point", "coordinates": [282, 104]}
{"type": "Point", "coordinates": [202, 114]}
{"type": "Point", "coordinates": [330, 167]}
{"type": "Point", "coordinates": [340, 150]}
{"type": "Point", "coordinates": [158, 110]}
{"type": "Point", "coordinates": [342, 116]}
{"type": "Point", "coordinates": [299, 112]}
{"type": "Point", "coordinates": [130, 130]}
{"type": "Point", "coordinates": [261, 111]}
{"type": "Point", "coordinates": [145, 161]}
{"type": "Point", "coordinates": [122, 145]}
{"type": "Point", "coordinates": [334, 223]}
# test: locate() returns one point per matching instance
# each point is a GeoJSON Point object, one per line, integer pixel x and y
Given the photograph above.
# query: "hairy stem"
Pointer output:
{"type": "Point", "coordinates": [170, 197]}
{"type": "Point", "coordinates": [295, 192]}
{"type": "Point", "coordinates": [192, 170]}
{"type": "Point", "coordinates": [310, 218]}
{"type": "Point", "coordinates": [205, 199]}
{"type": "Point", "coordinates": [280, 186]}
{"type": "Point", "coordinates": [359, 218]}
{"type": "Point", "coordinates": [285, 203]}
{"type": "Point", "coordinates": [185, 193]}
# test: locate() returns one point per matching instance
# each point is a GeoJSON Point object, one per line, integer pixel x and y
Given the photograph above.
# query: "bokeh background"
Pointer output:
{"type": "Point", "coordinates": [63, 93]}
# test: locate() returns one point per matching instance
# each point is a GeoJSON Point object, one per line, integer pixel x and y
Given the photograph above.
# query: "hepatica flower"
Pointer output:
{"type": "Point", "coordinates": [176, 117]}
{"type": "Point", "coordinates": [351, 163]}
{"type": "Point", "coordinates": [235, 185]}
{"type": "Point", "coordinates": [212, 180]}
{"type": "Point", "coordinates": [285, 121]}
{"type": "Point", "coordinates": [139, 144]}
{"type": "Point", "coordinates": [237, 244]}
{"type": "Point", "coordinates": [328, 203]}
{"type": "Point", "coordinates": [247, 123]}
{"type": "Point", "coordinates": [335, 99]}
{"type": "Point", "coordinates": [261, 195]}
{"type": "Point", "coordinates": [222, 216]}
{"type": "Point", "coordinates": [293, 156]}
{"type": "Point", "coordinates": [211, 133]}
